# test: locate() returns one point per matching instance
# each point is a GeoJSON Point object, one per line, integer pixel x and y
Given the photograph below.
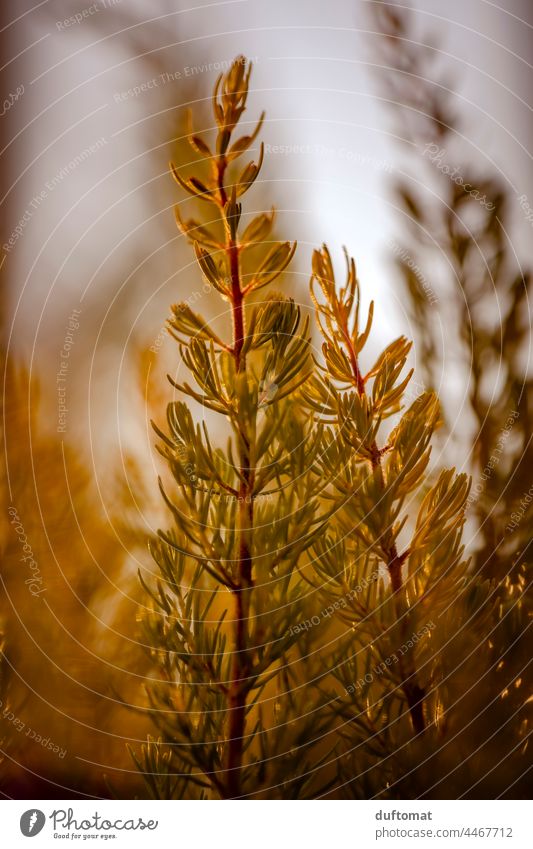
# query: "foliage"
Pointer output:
{"type": "Point", "coordinates": [66, 633]}
{"type": "Point", "coordinates": [399, 589]}
{"type": "Point", "coordinates": [456, 239]}
{"type": "Point", "coordinates": [229, 585]}
{"type": "Point", "coordinates": [324, 493]}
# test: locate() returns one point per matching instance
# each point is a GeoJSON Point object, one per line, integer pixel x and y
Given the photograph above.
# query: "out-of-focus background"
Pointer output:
{"type": "Point", "coordinates": [372, 115]}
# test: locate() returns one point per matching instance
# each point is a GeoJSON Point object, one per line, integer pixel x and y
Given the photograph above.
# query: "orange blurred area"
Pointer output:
{"type": "Point", "coordinates": [96, 103]}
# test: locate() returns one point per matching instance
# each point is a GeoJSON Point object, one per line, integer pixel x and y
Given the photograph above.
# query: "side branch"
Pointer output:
{"type": "Point", "coordinates": [414, 694]}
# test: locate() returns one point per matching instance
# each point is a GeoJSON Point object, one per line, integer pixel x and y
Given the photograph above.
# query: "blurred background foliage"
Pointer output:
{"type": "Point", "coordinates": [73, 667]}
{"type": "Point", "coordinates": [487, 290]}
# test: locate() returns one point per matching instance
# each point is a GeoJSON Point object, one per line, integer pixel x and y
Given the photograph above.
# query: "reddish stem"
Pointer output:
{"type": "Point", "coordinates": [414, 694]}
{"type": "Point", "coordinates": [238, 689]}
{"type": "Point", "coordinates": [237, 298]}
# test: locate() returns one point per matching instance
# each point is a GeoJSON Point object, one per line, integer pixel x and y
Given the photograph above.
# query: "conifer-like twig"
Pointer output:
{"type": "Point", "coordinates": [238, 697]}
{"type": "Point", "coordinates": [243, 517]}
{"type": "Point", "coordinates": [372, 480]}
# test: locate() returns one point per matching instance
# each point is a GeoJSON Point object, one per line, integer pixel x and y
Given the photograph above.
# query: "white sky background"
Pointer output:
{"type": "Point", "coordinates": [108, 227]}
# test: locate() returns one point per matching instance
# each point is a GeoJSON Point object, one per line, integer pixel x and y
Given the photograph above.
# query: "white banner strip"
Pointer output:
{"type": "Point", "coordinates": [267, 825]}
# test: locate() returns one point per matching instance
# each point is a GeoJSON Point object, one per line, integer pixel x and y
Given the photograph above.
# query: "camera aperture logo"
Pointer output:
{"type": "Point", "coordinates": [32, 822]}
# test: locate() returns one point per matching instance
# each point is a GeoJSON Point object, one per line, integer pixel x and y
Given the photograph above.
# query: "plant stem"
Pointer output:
{"type": "Point", "coordinates": [394, 561]}
{"type": "Point", "coordinates": [237, 307]}
{"type": "Point", "coordinates": [238, 689]}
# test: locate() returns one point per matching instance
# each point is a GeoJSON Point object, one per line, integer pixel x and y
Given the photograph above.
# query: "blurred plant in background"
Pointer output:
{"type": "Point", "coordinates": [4, 704]}
{"type": "Point", "coordinates": [71, 651]}
{"type": "Point", "coordinates": [68, 611]}
{"type": "Point", "coordinates": [456, 238]}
